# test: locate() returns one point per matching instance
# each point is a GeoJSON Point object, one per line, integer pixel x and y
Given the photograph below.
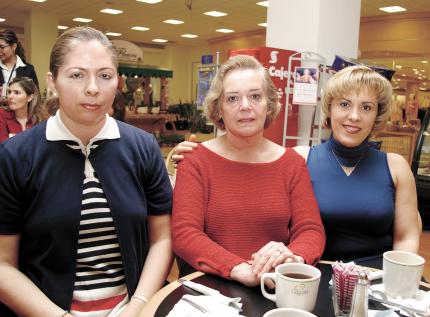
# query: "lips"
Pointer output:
{"type": "Point", "coordinates": [246, 120]}
{"type": "Point", "coordinates": [352, 129]}
{"type": "Point", "coordinates": [89, 106]}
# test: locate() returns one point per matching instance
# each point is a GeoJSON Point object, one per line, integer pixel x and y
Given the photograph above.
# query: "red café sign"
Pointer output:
{"type": "Point", "coordinates": [276, 61]}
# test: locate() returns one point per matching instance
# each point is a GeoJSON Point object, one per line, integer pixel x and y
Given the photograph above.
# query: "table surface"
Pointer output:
{"type": "Point", "coordinates": [254, 304]}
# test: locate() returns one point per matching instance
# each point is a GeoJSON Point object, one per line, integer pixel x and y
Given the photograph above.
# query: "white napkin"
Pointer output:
{"type": "Point", "coordinates": [421, 301]}
{"type": "Point", "coordinates": [214, 307]}
{"type": "Point", "coordinates": [228, 301]}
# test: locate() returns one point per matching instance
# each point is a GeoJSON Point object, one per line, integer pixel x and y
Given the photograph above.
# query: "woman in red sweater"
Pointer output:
{"type": "Point", "coordinates": [23, 108]}
{"type": "Point", "coordinates": [243, 204]}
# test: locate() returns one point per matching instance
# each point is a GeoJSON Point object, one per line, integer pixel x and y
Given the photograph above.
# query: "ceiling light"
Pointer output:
{"type": "Point", "coordinates": [159, 40]}
{"type": "Point", "coordinates": [62, 27]}
{"type": "Point", "coordinates": [399, 66]}
{"type": "Point", "coordinates": [190, 36]}
{"type": "Point", "coordinates": [392, 9]}
{"type": "Point", "coordinates": [424, 83]}
{"type": "Point", "coordinates": [215, 14]}
{"type": "Point", "coordinates": [173, 21]}
{"type": "Point", "coordinates": [38, 0]}
{"type": "Point", "coordinates": [403, 75]}
{"type": "Point", "coordinates": [85, 20]}
{"type": "Point", "coordinates": [424, 62]}
{"type": "Point", "coordinates": [225, 30]}
{"type": "Point", "coordinates": [111, 11]}
{"type": "Point", "coordinates": [263, 3]}
{"type": "Point", "coordinates": [113, 34]}
{"type": "Point", "coordinates": [140, 28]}
{"type": "Point", "coordinates": [150, 1]}
{"type": "Point", "coordinates": [264, 24]}
{"type": "Point", "coordinates": [2, 19]}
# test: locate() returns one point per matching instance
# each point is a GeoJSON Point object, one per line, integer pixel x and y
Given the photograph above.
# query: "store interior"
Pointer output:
{"type": "Point", "coordinates": [162, 82]}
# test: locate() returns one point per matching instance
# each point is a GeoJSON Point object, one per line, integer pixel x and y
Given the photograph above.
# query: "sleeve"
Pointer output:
{"type": "Point", "coordinates": [158, 189]}
{"type": "Point", "coordinates": [10, 207]}
{"type": "Point", "coordinates": [190, 242]}
{"type": "Point", "coordinates": [307, 236]}
{"type": "Point", "coordinates": [4, 132]}
{"type": "Point", "coordinates": [34, 76]}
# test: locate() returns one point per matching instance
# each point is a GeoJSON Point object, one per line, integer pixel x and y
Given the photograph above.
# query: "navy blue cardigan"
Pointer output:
{"type": "Point", "coordinates": [41, 194]}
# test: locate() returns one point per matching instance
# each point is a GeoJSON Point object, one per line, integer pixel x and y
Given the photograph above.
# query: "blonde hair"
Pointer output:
{"type": "Point", "coordinates": [213, 101]}
{"type": "Point", "coordinates": [357, 78]}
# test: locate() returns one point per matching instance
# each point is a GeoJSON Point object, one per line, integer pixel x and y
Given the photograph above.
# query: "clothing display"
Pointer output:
{"type": "Point", "coordinates": [344, 201]}
{"type": "Point", "coordinates": [9, 126]}
{"type": "Point", "coordinates": [131, 171]}
{"type": "Point", "coordinates": [224, 211]}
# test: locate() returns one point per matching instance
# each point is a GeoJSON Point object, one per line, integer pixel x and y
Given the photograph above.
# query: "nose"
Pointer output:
{"type": "Point", "coordinates": [244, 103]}
{"type": "Point", "coordinates": [354, 114]}
{"type": "Point", "coordinates": [91, 87]}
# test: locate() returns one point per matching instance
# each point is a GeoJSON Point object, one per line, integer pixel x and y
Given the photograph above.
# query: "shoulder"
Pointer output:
{"type": "Point", "coordinates": [302, 150]}
{"type": "Point", "coordinates": [5, 114]}
{"type": "Point", "coordinates": [399, 167]}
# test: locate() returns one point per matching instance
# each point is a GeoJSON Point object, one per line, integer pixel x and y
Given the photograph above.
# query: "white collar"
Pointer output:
{"type": "Point", "coordinates": [19, 63]}
{"type": "Point", "coordinates": [57, 131]}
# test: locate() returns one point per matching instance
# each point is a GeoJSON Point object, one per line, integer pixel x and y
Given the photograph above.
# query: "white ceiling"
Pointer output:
{"type": "Point", "coordinates": [243, 16]}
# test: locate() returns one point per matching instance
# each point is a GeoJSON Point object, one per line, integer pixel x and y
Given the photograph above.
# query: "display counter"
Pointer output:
{"type": "Point", "coordinates": [152, 122]}
{"type": "Point", "coordinates": [400, 142]}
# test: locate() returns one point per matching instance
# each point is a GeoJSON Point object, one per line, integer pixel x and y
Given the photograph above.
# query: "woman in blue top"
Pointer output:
{"type": "Point", "coordinates": [367, 198]}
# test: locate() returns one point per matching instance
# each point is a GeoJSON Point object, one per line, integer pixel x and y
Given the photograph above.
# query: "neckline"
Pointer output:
{"type": "Point", "coordinates": [348, 156]}
{"type": "Point", "coordinates": [220, 157]}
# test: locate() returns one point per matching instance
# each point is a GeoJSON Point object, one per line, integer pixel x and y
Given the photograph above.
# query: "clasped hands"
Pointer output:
{"type": "Point", "coordinates": [263, 261]}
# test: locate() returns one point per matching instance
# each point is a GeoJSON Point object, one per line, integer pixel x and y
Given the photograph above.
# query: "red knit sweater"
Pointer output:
{"type": "Point", "coordinates": [224, 211]}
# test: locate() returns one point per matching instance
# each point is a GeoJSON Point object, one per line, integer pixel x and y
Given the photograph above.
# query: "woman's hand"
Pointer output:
{"type": "Point", "coordinates": [132, 309]}
{"type": "Point", "coordinates": [242, 273]}
{"type": "Point", "coordinates": [184, 147]}
{"type": "Point", "coordinates": [270, 256]}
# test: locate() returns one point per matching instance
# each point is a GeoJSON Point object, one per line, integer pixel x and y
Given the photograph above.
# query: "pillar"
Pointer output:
{"type": "Point", "coordinates": [326, 27]}
{"type": "Point", "coordinates": [40, 32]}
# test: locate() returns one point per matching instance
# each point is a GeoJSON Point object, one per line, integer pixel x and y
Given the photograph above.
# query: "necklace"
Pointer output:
{"type": "Point", "coordinates": [348, 169]}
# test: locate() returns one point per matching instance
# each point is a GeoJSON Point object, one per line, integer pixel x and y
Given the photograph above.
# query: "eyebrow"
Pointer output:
{"type": "Point", "coordinates": [251, 90]}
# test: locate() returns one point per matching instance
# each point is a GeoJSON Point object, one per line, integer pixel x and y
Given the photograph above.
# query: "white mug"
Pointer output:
{"type": "Point", "coordinates": [402, 273]}
{"type": "Point", "coordinates": [296, 285]}
{"type": "Point", "coordinates": [288, 312]}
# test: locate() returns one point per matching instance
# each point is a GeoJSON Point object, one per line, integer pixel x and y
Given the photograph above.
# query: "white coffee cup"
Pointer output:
{"type": "Point", "coordinates": [288, 312]}
{"type": "Point", "coordinates": [402, 273]}
{"type": "Point", "coordinates": [296, 285]}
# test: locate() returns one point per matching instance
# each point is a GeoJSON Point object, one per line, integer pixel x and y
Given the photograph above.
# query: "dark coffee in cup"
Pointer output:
{"type": "Point", "coordinates": [297, 276]}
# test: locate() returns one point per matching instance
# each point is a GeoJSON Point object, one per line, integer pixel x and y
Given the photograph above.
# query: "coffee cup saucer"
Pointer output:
{"type": "Point", "coordinates": [421, 301]}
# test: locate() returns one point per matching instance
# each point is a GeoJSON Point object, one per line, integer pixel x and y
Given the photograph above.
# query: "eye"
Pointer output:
{"type": "Point", "coordinates": [367, 107]}
{"type": "Point", "coordinates": [343, 104]}
{"type": "Point", "coordinates": [232, 99]}
{"type": "Point", "coordinates": [256, 97]}
{"type": "Point", "coordinates": [76, 75]}
{"type": "Point", "coordinates": [106, 76]}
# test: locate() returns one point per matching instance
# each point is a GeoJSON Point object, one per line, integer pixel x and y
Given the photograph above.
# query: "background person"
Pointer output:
{"type": "Point", "coordinates": [243, 204]}
{"type": "Point", "coordinates": [24, 109]}
{"type": "Point", "coordinates": [12, 61]}
{"type": "Point", "coordinates": [85, 199]}
{"type": "Point", "coordinates": [367, 198]}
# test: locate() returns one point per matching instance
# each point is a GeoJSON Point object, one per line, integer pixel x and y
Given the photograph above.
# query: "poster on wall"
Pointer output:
{"type": "Point", "coordinates": [305, 85]}
{"type": "Point", "coordinates": [205, 78]}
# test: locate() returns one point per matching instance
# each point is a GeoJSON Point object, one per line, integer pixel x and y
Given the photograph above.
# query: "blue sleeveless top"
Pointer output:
{"type": "Point", "coordinates": [357, 210]}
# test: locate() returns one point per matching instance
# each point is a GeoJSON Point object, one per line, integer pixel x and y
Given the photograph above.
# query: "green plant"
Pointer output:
{"type": "Point", "coordinates": [170, 139]}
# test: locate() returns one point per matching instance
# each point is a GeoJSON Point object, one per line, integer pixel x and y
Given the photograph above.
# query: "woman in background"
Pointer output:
{"type": "Point", "coordinates": [23, 110]}
{"type": "Point", "coordinates": [85, 199]}
{"type": "Point", "coordinates": [243, 204]}
{"type": "Point", "coordinates": [12, 61]}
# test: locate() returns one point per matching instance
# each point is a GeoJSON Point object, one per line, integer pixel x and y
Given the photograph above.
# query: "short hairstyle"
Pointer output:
{"type": "Point", "coordinates": [34, 108]}
{"type": "Point", "coordinates": [65, 43]}
{"type": "Point", "coordinates": [356, 78]}
{"type": "Point", "coordinates": [214, 97]}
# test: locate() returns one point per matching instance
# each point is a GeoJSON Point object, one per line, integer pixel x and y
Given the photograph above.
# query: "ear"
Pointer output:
{"type": "Point", "coordinates": [50, 81]}
{"type": "Point", "coordinates": [30, 98]}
